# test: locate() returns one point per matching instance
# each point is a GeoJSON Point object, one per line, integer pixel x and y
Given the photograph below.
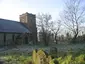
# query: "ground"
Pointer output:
{"type": "Point", "coordinates": [28, 48]}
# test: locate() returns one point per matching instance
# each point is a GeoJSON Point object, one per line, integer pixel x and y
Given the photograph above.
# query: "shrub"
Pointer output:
{"type": "Point", "coordinates": [40, 57]}
{"type": "Point", "coordinates": [34, 56]}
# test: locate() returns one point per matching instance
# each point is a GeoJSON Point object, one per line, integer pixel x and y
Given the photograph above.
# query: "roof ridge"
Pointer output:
{"type": "Point", "coordinates": [8, 19]}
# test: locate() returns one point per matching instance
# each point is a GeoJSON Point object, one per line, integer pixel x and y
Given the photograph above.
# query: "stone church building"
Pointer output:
{"type": "Point", "coordinates": [18, 33]}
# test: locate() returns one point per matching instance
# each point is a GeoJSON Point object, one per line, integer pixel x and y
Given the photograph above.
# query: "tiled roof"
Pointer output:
{"type": "Point", "coordinates": [12, 26]}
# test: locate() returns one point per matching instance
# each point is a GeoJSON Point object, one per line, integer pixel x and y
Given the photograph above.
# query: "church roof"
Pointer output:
{"type": "Point", "coordinates": [12, 26]}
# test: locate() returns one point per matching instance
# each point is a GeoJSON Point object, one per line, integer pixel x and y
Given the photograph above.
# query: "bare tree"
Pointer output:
{"type": "Point", "coordinates": [44, 24]}
{"type": "Point", "coordinates": [55, 28]}
{"type": "Point", "coordinates": [73, 17]}
{"type": "Point", "coordinates": [68, 37]}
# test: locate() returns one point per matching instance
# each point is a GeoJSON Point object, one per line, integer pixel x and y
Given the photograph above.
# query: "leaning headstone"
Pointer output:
{"type": "Point", "coordinates": [53, 52]}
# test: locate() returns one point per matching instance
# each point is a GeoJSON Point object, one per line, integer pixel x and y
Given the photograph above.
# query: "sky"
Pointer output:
{"type": "Point", "coordinates": [11, 9]}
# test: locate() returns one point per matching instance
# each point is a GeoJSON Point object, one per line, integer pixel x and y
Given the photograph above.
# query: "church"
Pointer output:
{"type": "Point", "coordinates": [18, 32]}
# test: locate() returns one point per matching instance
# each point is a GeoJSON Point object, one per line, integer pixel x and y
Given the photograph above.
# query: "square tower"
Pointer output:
{"type": "Point", "coordinates": [29, 20]}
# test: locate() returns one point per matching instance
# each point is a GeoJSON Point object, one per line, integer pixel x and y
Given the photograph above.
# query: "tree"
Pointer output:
{"type": "Point", "coordinates": [56, 30]}
{"type": "Point", "coordinates": [68, 37]}
{"type": "Point", "coordinates": [73, 17]}
{"type": "Point", "coordinates": [44, 26]}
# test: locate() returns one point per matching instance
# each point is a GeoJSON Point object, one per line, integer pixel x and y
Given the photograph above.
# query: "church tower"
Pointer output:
{"type": "Point", "coordinates": [29, 20]}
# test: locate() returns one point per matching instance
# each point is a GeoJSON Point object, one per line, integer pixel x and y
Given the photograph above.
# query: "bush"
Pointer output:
{"type": "Point", "coordinates": [40, 57]}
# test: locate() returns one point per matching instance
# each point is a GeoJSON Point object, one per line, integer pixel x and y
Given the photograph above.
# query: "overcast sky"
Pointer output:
{"type": "Point", "coordinates": [11, 9]}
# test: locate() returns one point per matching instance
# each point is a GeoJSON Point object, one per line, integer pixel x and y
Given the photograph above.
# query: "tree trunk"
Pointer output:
{"type": "Point", "coordinates": [56, 38]}
{"type": "Point", "coordinates": [74, 40]}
